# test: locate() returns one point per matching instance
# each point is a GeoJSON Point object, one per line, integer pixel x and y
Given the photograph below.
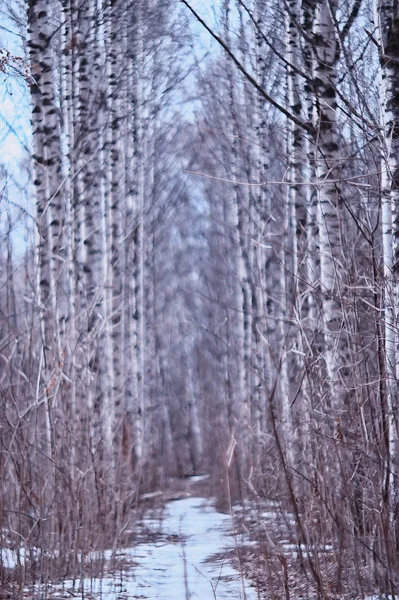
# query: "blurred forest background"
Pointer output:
{"type": "Point", "coordinates": [199, 269]}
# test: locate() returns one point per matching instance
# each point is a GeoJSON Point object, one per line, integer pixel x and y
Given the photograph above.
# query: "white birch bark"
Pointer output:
{"type": "Point", "coordinates": [312, 268]}
{"type": "Point", "coordinates": [49, 201]}
{"type": "Point", "coordinates": [94, 113]}
{"type": "Point", "coordinates": [67, 107]}
{"type": "Point", "coordinates": [240, 402]}
{"type": "Point", "coordinates": [327, 171]}
{"type": "Point", "coordinates": [386, 16]}
{"type": "Point", "coordinates": [297, 143]}
{"type": "Point", "coordinates": [194, 429]}
{"type": "Point", "coordinates": [116, 207]}
{"type": "Point", "coordinates": [107, 382]}
{"type": "Point", "coordinates": [130, 227]}
{"type": "Point", "coordinates": [138, 267]}
{"type": "Point", "coordinates": [296, 139]}
{"type": "Point", "coordinates": [284, 338]}
{"type": "Point", "coordinates": [260, 214]}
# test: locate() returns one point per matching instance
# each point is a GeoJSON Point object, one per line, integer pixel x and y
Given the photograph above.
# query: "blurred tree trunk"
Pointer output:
{"type": "Point", "coordinates": [387, 29]}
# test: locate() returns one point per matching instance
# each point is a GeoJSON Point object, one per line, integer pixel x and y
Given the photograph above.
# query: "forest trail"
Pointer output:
{"type": "Point", "coordinates": [180, 562]}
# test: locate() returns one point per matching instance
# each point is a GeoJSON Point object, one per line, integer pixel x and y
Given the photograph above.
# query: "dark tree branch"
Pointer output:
{"type": "Point", "coordinates": [303, 124]}
{"type": "Point", "coordinates": [351, 19]}
{"type": "Point", "coordinates": [273, 49]}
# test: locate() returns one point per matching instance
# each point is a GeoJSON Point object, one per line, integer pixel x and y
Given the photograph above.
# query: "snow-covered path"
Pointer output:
{"type": "Point", "coordinates": [177, 567]}
{"type": "Point", "coordinates": [177, 571]}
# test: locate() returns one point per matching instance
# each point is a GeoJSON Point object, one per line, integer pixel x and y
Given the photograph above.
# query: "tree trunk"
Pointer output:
{"type": "Point", "coordinates": [387, 28]}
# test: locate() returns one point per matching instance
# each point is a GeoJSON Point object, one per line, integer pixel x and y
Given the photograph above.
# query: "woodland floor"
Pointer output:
{"type": "Point", "coordinates": [181, 552]}
{"type": "Point", "coordinates": [185, 548]}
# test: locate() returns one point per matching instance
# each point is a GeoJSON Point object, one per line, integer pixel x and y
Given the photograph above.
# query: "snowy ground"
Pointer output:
{"type": "Point", "coordinates": [180, 567]}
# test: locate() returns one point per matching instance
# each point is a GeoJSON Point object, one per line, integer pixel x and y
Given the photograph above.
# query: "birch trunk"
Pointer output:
{"type": "Point", "coordinates": [97, 341]}
{"type": "Point", "coordinates": [68, 133]}
{"type": "Point", "coordinates": [299, 209]}
{"type": "Point", "coordinates": [386, 14]}
{"type": "Point", "coordinates": [130, 40]}
{"type": "Point", "coordinates": [328, 172]}
{"type": "Point", "coordinates": [234, 230]}
{"type": "Point", "coordinates": [138, 265]}
{"type": "Point", "coordinates": [116, 207]}
{"type": "Point", "coordinates": [105, 385]}
{"type": "Point", "coordinates": [261, 211]}
{"type": "Point", "coordinates": [296, 150]}
{"type": "Point", "coordinates": [49, 202]}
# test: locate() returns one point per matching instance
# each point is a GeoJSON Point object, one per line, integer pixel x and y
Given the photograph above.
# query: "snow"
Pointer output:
{"type": "Point", "coordinates": [179, 568]}
{"type": "Point", "coordinates": [197, 478]}
{"type": "Point", "coordinates": [9, 558]}
{"type": "Point", "coordinates": [205, 533]}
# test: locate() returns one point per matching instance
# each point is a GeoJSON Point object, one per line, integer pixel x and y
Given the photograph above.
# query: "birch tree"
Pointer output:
{"type": "Point", "coordinates": [49, 207]}
{"type": "Point", "coordinates": [386, 23]}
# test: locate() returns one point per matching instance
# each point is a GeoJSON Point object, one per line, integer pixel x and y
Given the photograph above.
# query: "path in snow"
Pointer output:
{"type": "Point", "coordinates": [176, 569]}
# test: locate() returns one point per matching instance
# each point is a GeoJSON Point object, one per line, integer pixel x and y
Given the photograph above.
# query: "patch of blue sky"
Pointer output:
{"type": "Point", "coordinates": [14, 89]}
{"type": "Point", "coordinates": [15, 136]}
{"type": "Point", "coordinates": [15, 132]}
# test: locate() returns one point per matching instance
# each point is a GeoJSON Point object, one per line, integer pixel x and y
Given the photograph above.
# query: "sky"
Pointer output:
{"type": "Point", "coordinates": [15, 138]}
{"type": "Point", "coordinates": [14, 89]}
